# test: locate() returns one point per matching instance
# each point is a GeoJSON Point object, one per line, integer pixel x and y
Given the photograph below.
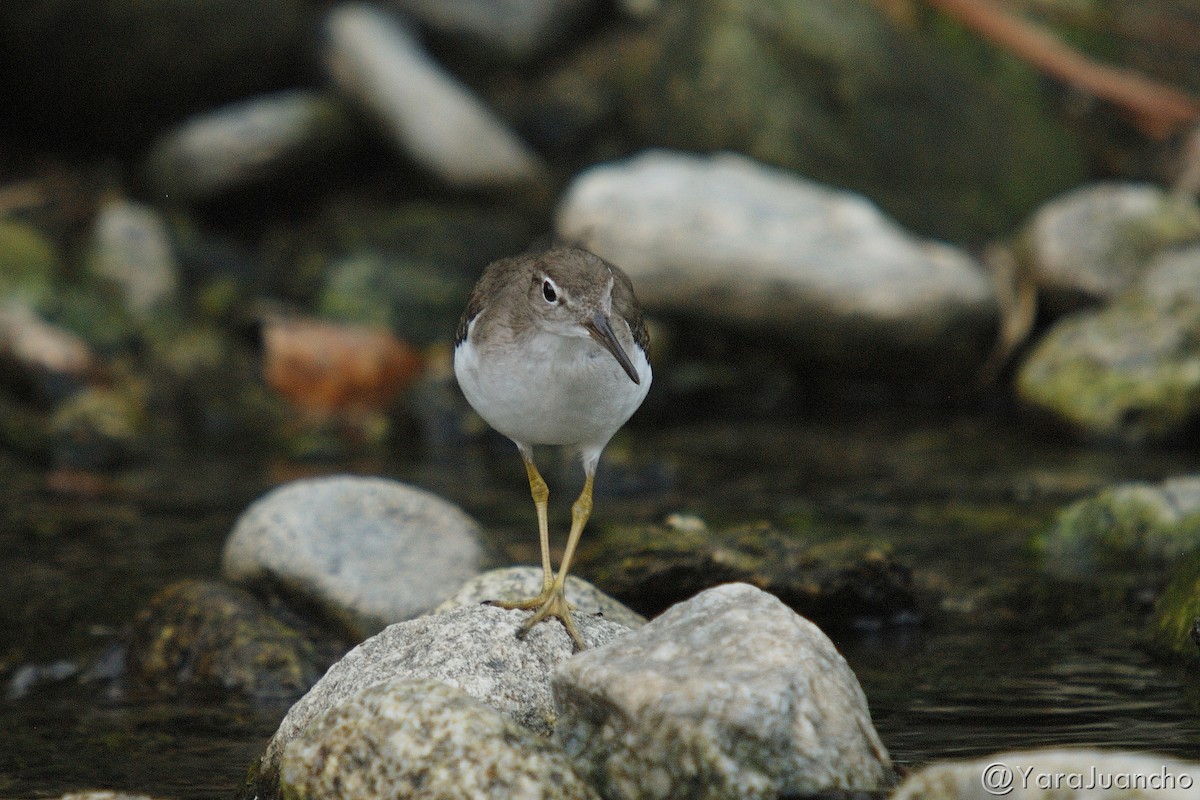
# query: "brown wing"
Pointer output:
{"type": "Point", "coordinates": [490, 283]}
{"type": "Point", "coordinates": [626, 305]}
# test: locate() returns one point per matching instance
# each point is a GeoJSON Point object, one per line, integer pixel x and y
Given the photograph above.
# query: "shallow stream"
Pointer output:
{"type": "Point", "coordinates": [1011, 658]}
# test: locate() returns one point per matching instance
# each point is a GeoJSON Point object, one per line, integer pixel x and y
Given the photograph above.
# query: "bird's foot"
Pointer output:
{"type": "Point", "coordinates": [552, 602]}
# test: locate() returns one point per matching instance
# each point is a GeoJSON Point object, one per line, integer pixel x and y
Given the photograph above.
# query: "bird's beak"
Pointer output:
{"type": "Point", "coordinates": [600, 329]}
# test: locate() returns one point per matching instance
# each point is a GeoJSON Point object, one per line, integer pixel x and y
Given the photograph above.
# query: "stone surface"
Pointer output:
{"type": "Point", "coordinates": [207, 638]}
{"type": "Point", "coordinates": [132, 250]}
{"type": "Point", "coordinates": [1125, 526]}
{"type": "Point", "coordinates": [376, 62]}
{"type": "Point", "coordinates": [29, 265]}
{"type": "Point", "coordinates": [520, 583]}
{"type": "Point", "coordinates": [1088, 245]}
{"type": "Point", "coordinates": [517, 28]}
{"type": "Point", "coordinates": [246, 143]}
{"type": "Point", "coordinates": [424, 739]}
{"type": "Point", "coordinates": [38, 355]}
{"type": "Point", "coordinates": [365, 552]}
{"type": "Point", "coordinates": [728, 695]}
{"type": "Point", "coordinates": [474, 649]}
{"type": "Point", "coordinates": [1131, 371]}
{"type": "Point", "coordinates": [836, 584]}
{"type": "Point", "coordinates": [725, 239]}
{"type": "Point", "coordinates": [1067, 774]}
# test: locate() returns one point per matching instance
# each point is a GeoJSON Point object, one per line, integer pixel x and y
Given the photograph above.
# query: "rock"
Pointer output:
{"type": "Point", "coordinates": [729, 694]}
{"type": "Point", "coordinates": [364, 552]}
{"type": "Point", "coordinates": [520, 583]}
{"type": "Point", "coordinates": [247, 143]}
{"type": "Point", "coordinates": [100, 427]}
{"type": "Point", "coordinates": [109, 75]}
{"type": "Point", "coordinates": [1176, 625]}
{"type": "Point", "coordinates": [519, 29]}
{"type": "Point", "coordinates": [1125, 526]}
{"type": "Point", "coordinates": [424, 738]}
{"type": "Point", "coordinates": [724, 239]}
{"type": "Point", "coordinates": [838, 584]}
{"type": "Point", "coordinates": [1088, 245]}
{"type": "Point", "coordinates": [1129, 372]}
{"type": "Point", "coordinates": [132, 250]}
{"type": "Point", "coordinates": [953, 145]}
{"type": "Point", "coordinates": [473, 649]}
{"type": "Point", "coordinates": [1066, 774]}
{"type": "Point", "coordinates": [104, 794]}
{"type": "Point", "coordinates": [378, 64]}
{"type": "Point", "coordinates": [52, 362]}
{"type": "Point", "coordinates": [204, 637]}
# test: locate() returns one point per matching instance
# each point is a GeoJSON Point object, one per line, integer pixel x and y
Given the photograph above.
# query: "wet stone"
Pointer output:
{"type": "Point", "coordinates": [837, 584]}
{"type": "Point", "coordinates": [517, 28]}
{"type": "Point", "coordinates": [727, 240]}
{"type": "Point", "coordinates": [413, 738]}
{"type": "Point", "coordinates": [1177, 611]}
{"type": "Point", "coordinates": [1125, 526]}
{"type": "Point", "coordinates": [474, 649]}
{"type": "Point", "coordinates": [727, 695]}
{"type": "Point", "coordinates": [362, 552]}
{"type": "Point", "coordinates": [208, 638]}
{"type": "Point", "coordinates": [513, 584]}
{"type": "Point", "coordinates": [377, 63]}
{"type": "Point", "coordinates": [132, 250]}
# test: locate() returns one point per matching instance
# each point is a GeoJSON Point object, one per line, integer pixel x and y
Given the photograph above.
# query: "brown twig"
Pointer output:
{"type": "Point", "coordinates": [1158, 111]}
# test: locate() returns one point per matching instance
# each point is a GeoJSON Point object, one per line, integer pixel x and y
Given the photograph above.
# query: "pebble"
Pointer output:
{"type": "Point", "coordinates": [1056, 774]}
{"type": "Point", "coordinates": [424, 738]}
{"type": "Point", "coordinates": [520, 583]}
{"type": "Point", "coordinates": [474, 649]}
{"type": "Point", "coordinates": [726, 239]}
{"type": "Point", "coordinates": [1086, 246]}
{"type": "Point", "coordinates": [519, 29]}
{"type": "Point", "coordinates": [246, 143]}
{"type": "Point", "coordinates": [727, 695]}
{"type": "Point", "coordinates": [378, 64]}
{"type": "Point", "coordinates": [365, 552]}
{"type": "Point", "coordinates": [52, 360]}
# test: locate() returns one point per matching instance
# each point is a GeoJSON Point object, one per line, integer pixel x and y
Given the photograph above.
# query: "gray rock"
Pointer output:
{"type": "Point", "coordinates": [378, 64]}
{"type": "Point", "coordinates": [728, 239]}
{"type": "Point", "coordinates": [132, 249]}
{"type": "Point", "coordinates": [474, 649]}
{"type": "Point", "coordinates": [727, 695]}
{"type": "Point", "coordinates": [48, 357]}
{"type": "Point", "coordinates": [517, 28]}
{"type": "Point", "coordinates": [1129, 372]}
{"type": "Point", "coordinates": [366, 552]}
{"type": "Point", "coordinates": [1124, 527]}
{"type": "Point", "coordinates": [247, 143]}
{"type": "Point", "coordinates": [1088, 245]}
{"type": "Point", "coordinates": [1069, 774]}
{"type": "Point", "coordinates": [424, 739]}
{"type": "Point", "coordinates": [520, 583]}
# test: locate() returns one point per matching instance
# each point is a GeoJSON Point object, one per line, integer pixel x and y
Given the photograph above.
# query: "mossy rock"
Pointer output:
{"type": "Point", "coordinates": [1177, 612]}
{"type": "Point", "coordinates": [209, 638]}
{"type": "Point", "coordinates": [1127, 526]}
{"type": "Point", "coordinates": [29, 264]}
{"type": "Point", "coordinates": [836, 584]}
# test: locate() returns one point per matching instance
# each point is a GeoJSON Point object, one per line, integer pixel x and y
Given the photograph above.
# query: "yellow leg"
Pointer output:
{"type": "Point", "coordinates": [555, 604]}
{"type": "Point", "coordinates": [541, 501]}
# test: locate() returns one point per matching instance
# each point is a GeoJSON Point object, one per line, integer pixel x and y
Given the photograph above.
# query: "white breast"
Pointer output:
{"type": "Point", "coordinates": [555, 390]}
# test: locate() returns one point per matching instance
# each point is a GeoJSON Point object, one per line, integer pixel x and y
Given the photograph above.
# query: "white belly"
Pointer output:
{"type": "Point", "coordinates": [557, 391]}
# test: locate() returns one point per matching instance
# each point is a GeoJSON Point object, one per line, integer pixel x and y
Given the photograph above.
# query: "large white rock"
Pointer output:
{"type": "Point", "coordinates": [728, 239]}
{"type": "Point", "coordinates": [365, 552]}
{"type": "Point", "coordinates": [728, 695]}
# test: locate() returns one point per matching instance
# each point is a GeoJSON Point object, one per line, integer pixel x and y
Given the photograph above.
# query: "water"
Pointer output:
{"type": "Point", "coordinates": [1011, 660]}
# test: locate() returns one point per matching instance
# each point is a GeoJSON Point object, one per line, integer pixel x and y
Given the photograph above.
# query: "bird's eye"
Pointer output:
{"type": "Point", "coordinates": [548, 291]}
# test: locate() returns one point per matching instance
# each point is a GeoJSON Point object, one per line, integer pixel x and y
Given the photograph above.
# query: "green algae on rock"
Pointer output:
{"type": "Point", "coordinates": [1176, 627]}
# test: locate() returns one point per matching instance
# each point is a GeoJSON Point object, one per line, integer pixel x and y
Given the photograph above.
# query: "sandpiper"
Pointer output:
{"type": "Point", "coordinates": [552, 350]}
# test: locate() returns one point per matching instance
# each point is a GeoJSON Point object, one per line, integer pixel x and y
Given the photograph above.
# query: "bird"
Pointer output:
{"type": "Point", "coordinates": [552, 349]}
